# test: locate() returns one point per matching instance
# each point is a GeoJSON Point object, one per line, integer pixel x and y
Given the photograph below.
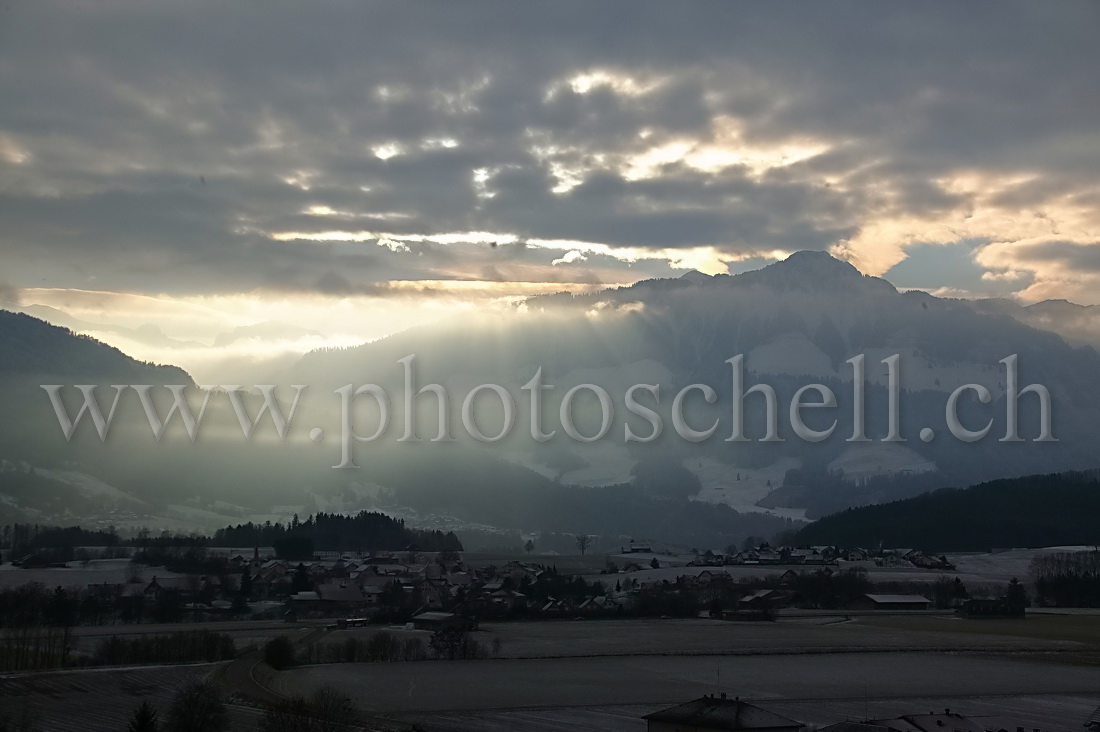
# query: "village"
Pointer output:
{"type": "Point", "coordinates": [705, 623]}
{"type": "Point", "coordinates": [462, 589]}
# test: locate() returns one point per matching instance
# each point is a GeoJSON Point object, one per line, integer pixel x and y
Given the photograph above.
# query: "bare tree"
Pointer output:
{"type": "Point", "coordinates": [583, 542]}
{"type": "Point", "coordinates": [328, 710]}
{"type": "Point", "coordinates": [198, 707]}
{"type": "Point", "coordinates": [332, 710]}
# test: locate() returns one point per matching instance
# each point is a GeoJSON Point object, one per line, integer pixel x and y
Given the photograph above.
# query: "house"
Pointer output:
{"type": "Point", "coordinates": [556, 607]}
{"type": "Point", "coordinates": [518, 571]}
{"type": "Point", "coordinates": [946, 722]}
{"type": "Point", "coordinates": [1092, 724]}
{"type": "Point", "coordinates": [304, 601]}
{"type": "Point", "coordinates": [598, 605]}
{"type": "Point", "coordinates": [765, 555]}
{"type": "Point", "coordinates": [715, 714]}
{"type": "Point", "coordinates": [892, 602]}
{"type": "Point", "coordinates": [762, 600]}
{"type": "Point", "coordinates": [340, 594]}
{"type": "Point", "coordinates": [373, 595]}
{"type": "Point", "coordinates": [185, 586]}
{"type": "Point", "coordinates": [32, 561]}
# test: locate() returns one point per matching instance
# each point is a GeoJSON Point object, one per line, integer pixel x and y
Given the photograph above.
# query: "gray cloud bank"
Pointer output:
{"type": "Point", "coordinates": [180, 148]}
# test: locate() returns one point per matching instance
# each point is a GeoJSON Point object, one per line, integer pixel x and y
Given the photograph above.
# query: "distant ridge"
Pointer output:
{"type": "Point", "coordinates": [1034, 511]}
{"type": "Point", "coordinates": [34, 347]}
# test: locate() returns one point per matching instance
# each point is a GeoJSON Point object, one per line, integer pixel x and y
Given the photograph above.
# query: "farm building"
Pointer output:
{"type": "Point", "coordinates": [442, 621]}
{"type": "Point", "coordinates": [891, 602]}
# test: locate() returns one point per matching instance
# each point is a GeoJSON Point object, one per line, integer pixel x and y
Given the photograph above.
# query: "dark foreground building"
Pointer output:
{"type": "Point", "coordinates": [718, 714]}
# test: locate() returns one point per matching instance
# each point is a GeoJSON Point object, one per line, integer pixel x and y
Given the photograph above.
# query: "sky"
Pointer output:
{"type": "Point", "coordinates": [175, 174]}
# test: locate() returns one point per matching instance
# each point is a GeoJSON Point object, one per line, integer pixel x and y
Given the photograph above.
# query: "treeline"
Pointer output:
{"type": "Point", "coordinates": [382, 647]}
{"type": "Point", "coordinates": [27, 648]}
{"type": "Point", "coordinates": [191, 646]}
{"type": "Point", "coordinates": [1033, 511]}
{"type": "Point", "coordinates": [822, 491]}
{"type": "Point", "coordinates": [365, 531]}
{"type": "Point", "coordinates": [58, 544]}
{"type": "Point", "coordinates": [32, 605]}
{"type": "Point", "coordinates": [31, 648]}
{"type": "Point", "coordinates": [1067, 579]}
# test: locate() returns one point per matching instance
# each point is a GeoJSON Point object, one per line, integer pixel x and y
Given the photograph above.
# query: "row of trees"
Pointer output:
{"type": "Point", "coordinates": [197, 706]}
{"type": "Point", "coordinates": [195, 646]}
{"type": "Point", "coordinates": [1068, 579]}
{"type": "Point", "coordinates": [380, 647]}
{"type": "Point", "coordinates": [63, 543]}
{"type": "Point", "coordinates": [365, 531]}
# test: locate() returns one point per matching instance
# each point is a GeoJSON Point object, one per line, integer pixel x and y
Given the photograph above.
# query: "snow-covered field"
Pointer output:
{"type": "Point", "coordinates": [866, 459]}
{"type": "Point", "coordinates": [77, 574]}
{"type": "Point", "coordinates": [572, 682]}
{"type": "Point", "coordinates": [742, 488]}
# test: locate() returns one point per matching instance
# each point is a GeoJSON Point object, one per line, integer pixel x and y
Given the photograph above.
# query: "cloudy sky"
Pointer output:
{"type": "Point", "coordinates": [172, 171]}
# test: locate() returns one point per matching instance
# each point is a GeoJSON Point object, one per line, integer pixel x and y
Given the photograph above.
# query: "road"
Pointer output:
{"type": "Point", "coordinates": [239, 676]}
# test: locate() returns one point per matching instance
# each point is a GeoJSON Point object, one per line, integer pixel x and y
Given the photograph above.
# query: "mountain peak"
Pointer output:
{"type": "Point", "coordinates": [696, 277]}
{"type": "Point", "coordinates": [812, 270]}
{"type": "Point", "coordinates": [819, 261]}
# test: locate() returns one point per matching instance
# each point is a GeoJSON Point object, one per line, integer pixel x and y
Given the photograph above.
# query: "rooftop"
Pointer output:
{"type": "Point", "coordinates": [722, 713]}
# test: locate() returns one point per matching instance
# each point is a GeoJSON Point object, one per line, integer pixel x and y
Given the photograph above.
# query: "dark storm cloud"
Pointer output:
{"type": "Point", "coordinates": [160, 147]}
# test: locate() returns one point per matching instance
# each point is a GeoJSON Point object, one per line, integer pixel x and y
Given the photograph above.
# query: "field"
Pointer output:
{"type": "Point", "coordinates": [606, 674]}
{"type": "Point", "coordinates": [94, 701]}
{"type": "Point", "coordinates": [79, 574]}
{"type": "Point", "coordinates": [490, 684]}
{"type": "Point", "coordinates": [569, 638]}
{"type": "Point", "coordinates": [1075, 628]}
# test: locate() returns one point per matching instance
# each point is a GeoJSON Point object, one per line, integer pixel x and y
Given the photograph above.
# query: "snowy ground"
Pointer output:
{"type": "Point", "coordinates": [499, 684]}
{"type": "Point", "coordinates": [742, 488]}
{"type": "Point", "coordinates": [992, 570]}
{"type": "Point", "coordinates": [89, 486]}
{"type": "Point", "coordinates": [864, 460]}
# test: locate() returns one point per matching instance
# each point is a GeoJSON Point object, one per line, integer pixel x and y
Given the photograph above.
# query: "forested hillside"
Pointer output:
{"type": "Point", "coordinates": [1033, 511]}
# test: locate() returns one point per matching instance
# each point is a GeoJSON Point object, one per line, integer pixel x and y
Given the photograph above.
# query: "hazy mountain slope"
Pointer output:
{"type": "Point", "coordinates": [130, 460]}
{"type": "Point", "coordinates": [131, 479]}
{"type": "Point", "coordinates": [32, 346]}
{"type": "Point", "coordinates": [1078, 324]}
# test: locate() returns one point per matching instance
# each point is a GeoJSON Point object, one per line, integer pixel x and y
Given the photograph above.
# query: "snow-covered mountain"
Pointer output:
{"type": "Point", "coordinates": [796, 322]}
